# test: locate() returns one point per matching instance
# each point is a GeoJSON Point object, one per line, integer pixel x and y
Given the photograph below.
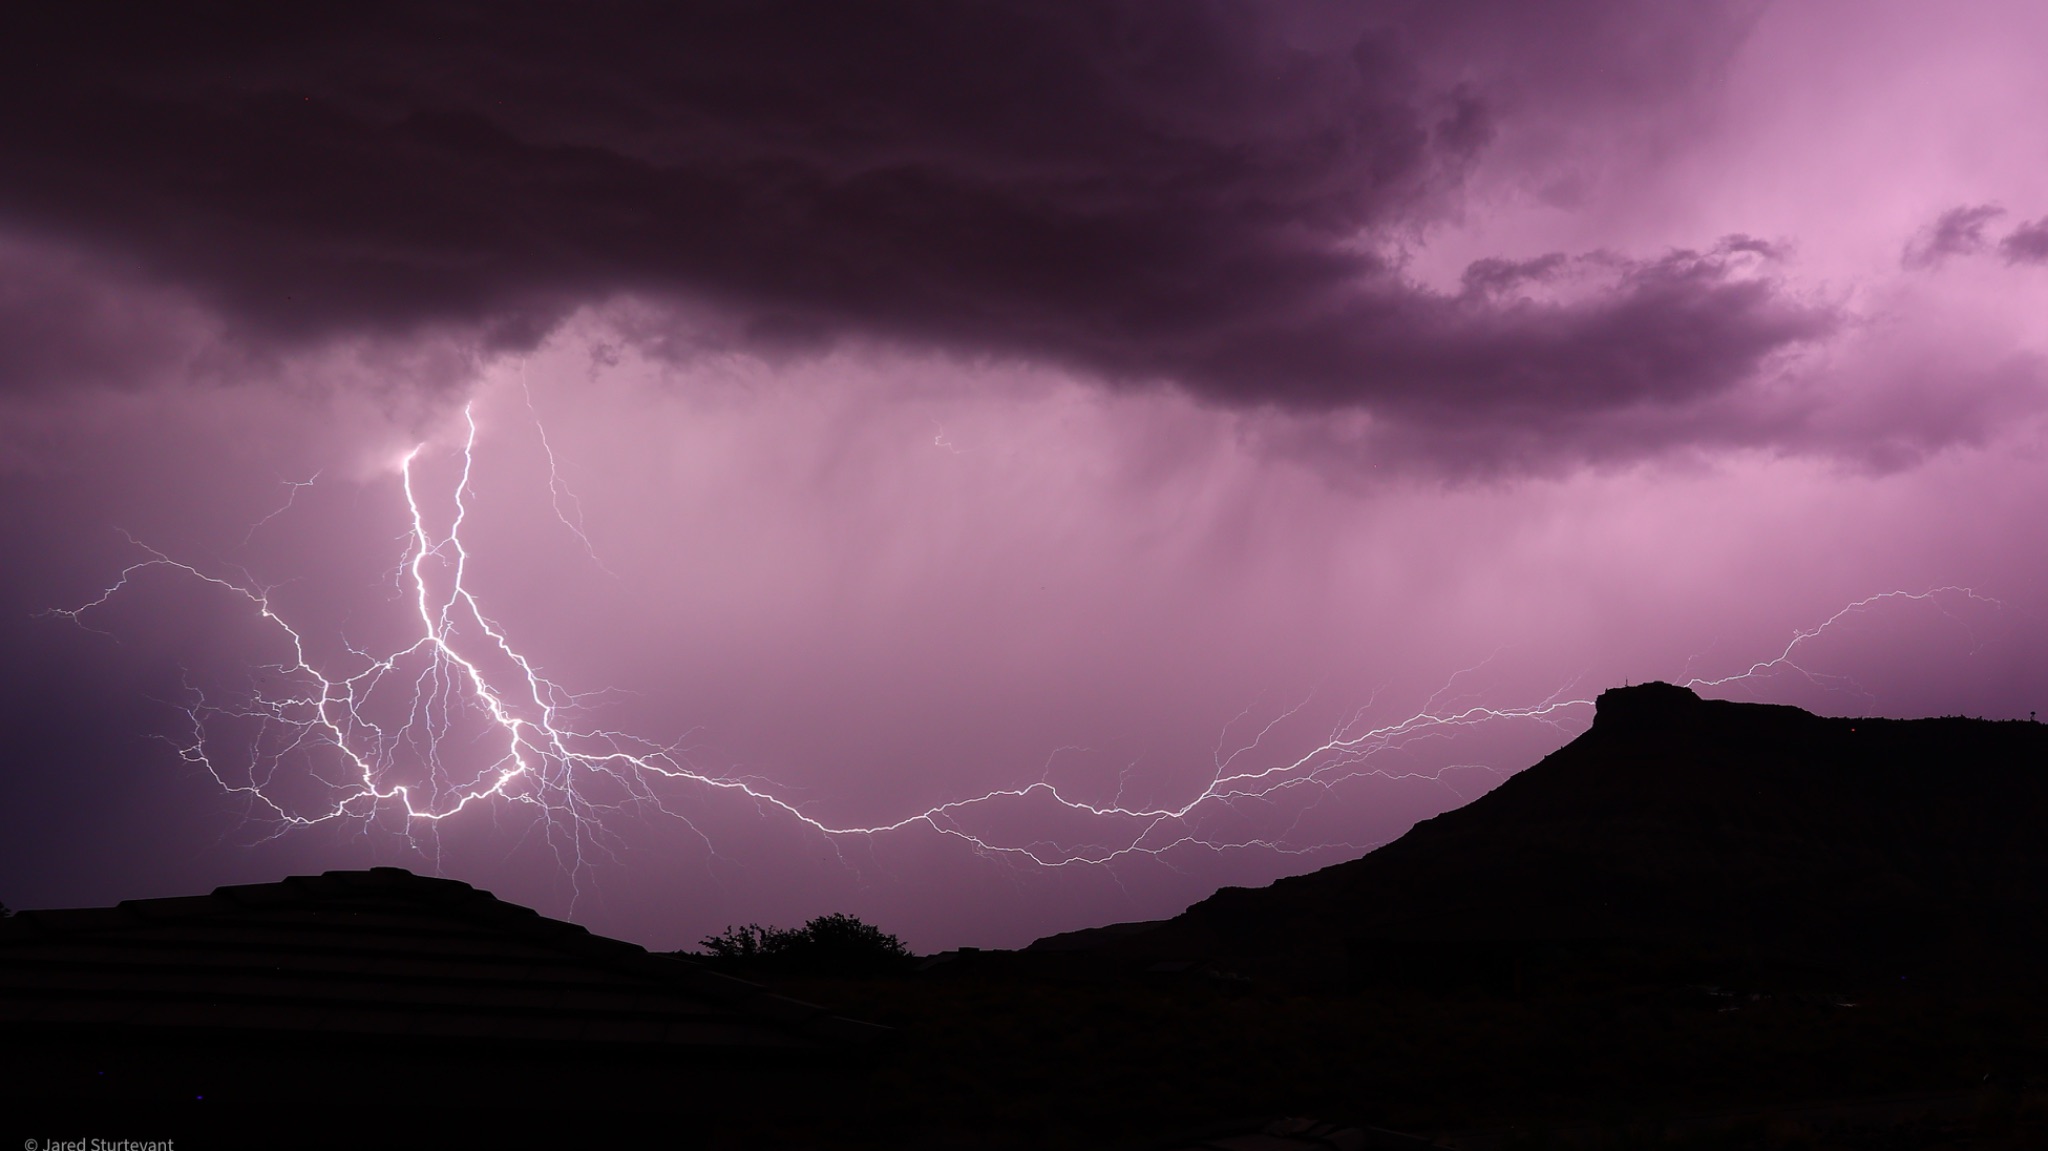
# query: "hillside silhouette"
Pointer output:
{"type": "Point", "coordinates": [1700, 924]}
{"type": "Point", "coordinates": [1682, 833]}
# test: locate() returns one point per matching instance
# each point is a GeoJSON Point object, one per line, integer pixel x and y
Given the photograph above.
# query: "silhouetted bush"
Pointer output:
{"type": "Point", "coordinates": [828, 945]}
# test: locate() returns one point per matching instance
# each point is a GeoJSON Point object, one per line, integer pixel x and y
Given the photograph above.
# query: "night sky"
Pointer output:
{"type": "Point", "coordinates": [880, 405]}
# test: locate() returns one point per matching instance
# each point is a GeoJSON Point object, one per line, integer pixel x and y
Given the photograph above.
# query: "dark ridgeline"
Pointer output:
{"type": "Point", "coordinates": [363, 1007]}
{"type": "Point", "coordinates": [1701, 923]}
{"type": "Point", "coordinates": [1699, 916]}
{"type": "Point", "coordinates": [1682, 837]}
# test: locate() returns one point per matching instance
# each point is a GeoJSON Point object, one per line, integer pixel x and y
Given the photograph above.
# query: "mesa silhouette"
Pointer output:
{"type": "Point", "coordinates": [1677, 837]}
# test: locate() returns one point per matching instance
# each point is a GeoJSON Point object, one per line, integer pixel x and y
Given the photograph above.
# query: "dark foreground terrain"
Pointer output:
{"type": "Point", "coordinates": [1701, 924]}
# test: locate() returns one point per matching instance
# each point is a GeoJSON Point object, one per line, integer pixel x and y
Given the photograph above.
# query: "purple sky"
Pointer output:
{"type": "Point", "coordinates": [947, 399]}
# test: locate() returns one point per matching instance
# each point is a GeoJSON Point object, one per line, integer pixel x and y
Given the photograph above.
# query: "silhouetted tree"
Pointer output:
{"type": "Point", "coordinates": [835, 944]}
{"type": "Point", "coordinates": [747, 944]}
{"type": "Point", "coordinates": [843, 944]}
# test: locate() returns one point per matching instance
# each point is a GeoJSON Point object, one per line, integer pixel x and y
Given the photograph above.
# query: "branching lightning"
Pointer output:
{"type": "Point", "coordinates": [459, 717]}
{"type": "Point", "coordinates": [292, 490]}
{"type": "Point", "coordinates": [1786, 662]}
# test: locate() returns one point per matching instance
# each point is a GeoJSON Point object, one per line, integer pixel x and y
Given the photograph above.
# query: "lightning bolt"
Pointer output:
{"type": "Point", "coordinates": [460, 717]}
{"type": "Point", "coordinates": [1786, 661]}
{"type": "Point", "coordinates": [292, 490]}
{"type": "Point", "coordinates": [558, 488]}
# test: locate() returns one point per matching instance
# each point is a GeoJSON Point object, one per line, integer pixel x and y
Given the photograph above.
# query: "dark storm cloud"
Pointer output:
{"type": "Point", "coordinates": [1956, 232]}
{"type": "Point", "coordinates": [67, 321]}
{"type": "Point", "coordinates": [1669, 330]}
{"type": "Point", "coordinates": [1209, 194]}
{"type": "Point", "coordinates": [1485, 278]}
{"type": "Point", "coordinates": [2027, 244]}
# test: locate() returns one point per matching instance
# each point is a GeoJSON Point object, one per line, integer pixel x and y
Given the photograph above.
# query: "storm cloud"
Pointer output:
{"type": "Point", "coordinates": [1957, 232]}
{"type": "Point", "coordinates": [1214, 196]}
{"type": "Point", "coordinates": [2027, 244]}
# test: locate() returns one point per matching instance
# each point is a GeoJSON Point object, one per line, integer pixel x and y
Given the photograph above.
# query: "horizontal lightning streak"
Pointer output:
{"type": "Point", "coordinates": [1784, 661]}
{"type": "Point", "coordinates": [536, 756]}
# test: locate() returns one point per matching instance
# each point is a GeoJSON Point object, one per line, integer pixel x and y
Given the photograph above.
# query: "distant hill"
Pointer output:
{"type": "Point", "coordinates": [1685, 833]}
